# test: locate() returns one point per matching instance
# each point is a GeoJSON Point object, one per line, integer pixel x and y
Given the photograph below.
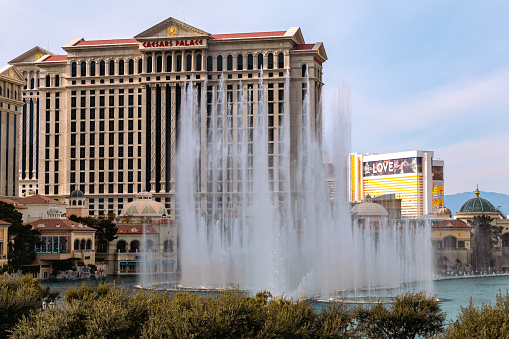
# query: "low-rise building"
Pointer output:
{"type": "Point", "coordinates": [4, 241]}
{"type": "Point", "coordinates": [452, 244]}
{"type": "Point", "coordinates": [38, 205]}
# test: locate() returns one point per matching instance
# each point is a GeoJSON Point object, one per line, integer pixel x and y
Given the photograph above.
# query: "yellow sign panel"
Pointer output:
{"type": "Point", "coordinates": [38, 56]}
{"type": "Point", "coordinates": [172, 30]}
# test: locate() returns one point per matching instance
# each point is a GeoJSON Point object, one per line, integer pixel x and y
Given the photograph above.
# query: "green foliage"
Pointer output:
{"type": "Point", "coordinates": [106, 229]}
{"type": "Point", "coordinates": [486, 321]}
{"type": "Point", "coordinates": [336, 321]}
{"type": "Point", "coordinates": [84, 292]}
{"type": "Point", "coordinates": [410, 315]}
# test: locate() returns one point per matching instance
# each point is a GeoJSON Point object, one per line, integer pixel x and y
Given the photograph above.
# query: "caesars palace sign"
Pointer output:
{"type": "Point", "coordinates": [177, 44]}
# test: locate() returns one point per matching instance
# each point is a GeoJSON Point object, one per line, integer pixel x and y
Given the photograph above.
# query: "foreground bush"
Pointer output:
{"type": "Point", "coordinates": [119, 313]}
{"type": "Point", "coordinates": [19, 296]}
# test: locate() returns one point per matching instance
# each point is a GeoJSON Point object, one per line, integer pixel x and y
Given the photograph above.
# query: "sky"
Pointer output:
{"type": "Point", "coordinates": [428, 75]}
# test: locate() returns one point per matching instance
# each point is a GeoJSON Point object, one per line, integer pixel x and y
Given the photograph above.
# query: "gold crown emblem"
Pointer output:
{"type": "Point", "coordinates": [172, 30]}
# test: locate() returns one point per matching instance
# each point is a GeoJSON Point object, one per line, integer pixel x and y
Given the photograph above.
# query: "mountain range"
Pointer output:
{"type": "Point", "coordinates": [455, 201]}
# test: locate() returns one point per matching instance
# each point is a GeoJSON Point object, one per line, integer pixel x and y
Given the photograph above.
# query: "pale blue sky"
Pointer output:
{"type": "Point", "coordinates": [431, 75]}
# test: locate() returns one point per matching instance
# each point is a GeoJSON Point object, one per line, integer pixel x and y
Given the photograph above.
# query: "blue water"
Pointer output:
{"type": "Point", "coordinates": [453, 293]}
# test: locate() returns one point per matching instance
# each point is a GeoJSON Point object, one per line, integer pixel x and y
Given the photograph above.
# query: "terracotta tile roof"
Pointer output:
{"type": "Point", "coordinates": [56, 58]}
{"type": "Point", "coordinates": [106, 42]}
{"type": "Point", "coordinates": [303, 47]}
{"type": "Point", "coordinates": [12, 202]}
{"type": "Point", "coordinates": [135, 229]}
{"type": "Point", "coordinates": [38, 199]}
{"type": "Point", "coordinates": [4, 223]}
{"type": "Point", "coordinates": [451, 223]}
{"type": "Point", "coordinates": [63, 224]}
{"type": "Point", "coordinates": [248, 35]}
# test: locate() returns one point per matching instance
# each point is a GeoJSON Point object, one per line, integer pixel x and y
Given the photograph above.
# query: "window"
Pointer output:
{"type": "Point", "coordinates": [149, 64]}
{"type": "Point", "coordinates": [112, 67]}
{"type": "Point", "coordinates": [140, 66]}
{"type": "Point", "coordinates": [304, 71]}
{"type": "Point", "coordinates": [505, 240]}
{"type": "Point", "coordinates": [121, 67]}
{"type": "Point", "coordinates": [179, 63]}
{"type": "Point", "coordinates": [130, 67]}
{"type": "Point", "coordinates": [229, 63]}
{"type": "Point", "coordinates": [250, 61]}
{"type": "Point", "coordinates": [48, 81]}
{"type": "Point", "coordinates": [198, 62]}
{"type": "Point", "coordinates": [121, 246]}
{"type": "Point", "coordinates": [159, 64]}
{"type": "Point", "coordinates": [281, 60]}
{"type": "Point", "coordinates": [168, 63]}
{"type": "Point", "coordinates": [219, 65]}
{"type": "Point", "coordinates": [92, 68]}
{"type": "Point", "coordinates": [102, 68]}
{"type": "Point", "coordinates": [168, 246]}
{"type": "Point", "coordinates": [57, 81]}
{"type": "Point", "coordinates": [209, 63]}
{"type": "Point", "coordinates": [83, 71]}
{"type": "Point", "coordinates": [73, 72]}
{"type": "Point", "coordinates": [270, 61]}
{"type": "Point", "coordinates": [260, 61]}
{"type": "Point", "coordinates": [240, 62]}
{"type": "Point", "coordinates": [450, 242]}
{"type": "Point", "coordinates": [189, 62]}
{"type": "Point", "coordinates": [134, 246]}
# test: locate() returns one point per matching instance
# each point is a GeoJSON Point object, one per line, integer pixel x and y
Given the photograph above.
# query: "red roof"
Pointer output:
{"type": "Point", "coordinates": [38, 199]}
{"type": "Point", "coordinates": [303, 47]}
{"type": "Point", "coordinates": [106, 42]}
{"type": "Point", "coordinates": [451, 223]}
{"type": "Point", "coordinates": [12, 202]}
{"type": "Point", "coordinates": [248, 35]}
{"type": "Point", "coordinates": [63, 224]}
{"type": "Point", "coordinates": [4, 223]}
{"type": "Point", "coordinates": [56, 58]}
{"type": "Point", "coordinates": [135, 229]}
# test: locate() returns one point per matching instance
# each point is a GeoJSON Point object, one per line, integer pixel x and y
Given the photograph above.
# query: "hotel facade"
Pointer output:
{"type": "Point", "coordinates": [412, 176]}
{"type": "Point", "coordinates": [104, 118]}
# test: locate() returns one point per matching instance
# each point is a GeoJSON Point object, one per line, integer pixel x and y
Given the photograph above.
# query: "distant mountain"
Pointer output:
{"type": "Point", "coordinates": [455, 201]}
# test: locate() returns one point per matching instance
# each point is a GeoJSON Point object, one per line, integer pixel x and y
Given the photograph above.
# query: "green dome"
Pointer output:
{"type": "Point", "coordinates": [478, 204]}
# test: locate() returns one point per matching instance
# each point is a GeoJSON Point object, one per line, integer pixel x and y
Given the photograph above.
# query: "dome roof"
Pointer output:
{"type": "Point", "coordinates": [77, 193]}
{"type": "Point", "coordinates": [54, 210]}
{"type": "Point", "coordinates": [367, 208]}
{"type": "Point", "coordinates": [477, 204]}
{"type": "Point", "coordinates": [444, 211]}
{"type": "Point", "coordinates": [144, 206]}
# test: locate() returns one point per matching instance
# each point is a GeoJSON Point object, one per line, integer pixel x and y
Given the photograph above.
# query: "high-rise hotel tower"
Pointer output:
{"type": "Point", "coordinates": [104, 118]}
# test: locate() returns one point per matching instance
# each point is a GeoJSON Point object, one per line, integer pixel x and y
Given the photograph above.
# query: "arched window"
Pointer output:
{"type": "Point", "coordinates": [149, 246]}
{"type": "Point", "coordinates": [219, 65]}
{"type": "Point", "coordinates": [134, 247]}
{"type": "Point", "coordinates": [102, 67]}
{"type": "Point", "coordinates": [121, 67]}
{"type": "Point", "coordinates": [74, 203]}
{"type": "Point", "coordinates": [240, 62]}
{"type": "Point", "coordinates": [198, 62]}
{"type": "Point", "coordinates": [48, 81]}
{"type": "Point", "coordinates": [260, 60]}
{"type": "Point", "coordinates": [229, 63]}
{"type": "Point", "coordinates": [304, 71]}
{"type": "Point", "coordinates": [270, 61]}
{"type": "Point", "coordinates": [112, 67]}
{"type": "Point", "coordinates": [26, 85]}
{"type": "Point", "coordinates": [76, 245]}
{"type": "Point", "coordinates": [280, 60]}
{"type": "Point", "coordinates": [57, 80]}
{"type": "Point", "coordinates": [168, 63]}
{"type": "Point", "coordinates": [92, 68]}
{"type": "Point", "coordinates": [209, 63]}
{"type": "Point", "coordinates": [89, 244]}
{"type": "Point", "coordinates": [121, 245]}
{"type": "Point", "coordinates": [79, 202]}
{"type": "Point", "coordinates": [83, 69]}
{"type": "Point", "coordinates": [250, 61]}
{"type": "Point", "coordinates": [82, 244]}
{"type": "Point", "coordinates": [179, 63]}
{"type": "Point", "coordinates": [32, 81]}
{"type": "Point", "coordinates": [102, 246]}
{"type": "Point", "coordinates": [168, 246]}
{"type": "Point", "coordinates": [140, 66]}
{"type": "Point", "coordinates": [73, 71]}
{"type": "Point", "coordinates": [450, 242]}
{"type": "Point", "coordinates": [159, 64]}
{"type": "Point", "coordinates": [45, 275]}
{"type": "Point", "coordinates": [189, 62]}
{"type": "Point", "coordinates": [130, 66]}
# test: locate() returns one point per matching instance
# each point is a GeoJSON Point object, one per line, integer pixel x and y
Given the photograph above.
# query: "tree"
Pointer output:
{"type": "Point", "coordinates": [485, 237]}
{"type": "Point", "coordinates": [106, 229]}
{"type": "Point", "coordinates": [22, 238]}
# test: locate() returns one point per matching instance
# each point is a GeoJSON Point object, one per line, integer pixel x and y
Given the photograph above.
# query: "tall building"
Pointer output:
{"type": "Point", "coordinates": [11, 84]}
{"type": "Point", "coordinates": [109, 111]}
{"type": "Point", "coordinates": [412, 176]}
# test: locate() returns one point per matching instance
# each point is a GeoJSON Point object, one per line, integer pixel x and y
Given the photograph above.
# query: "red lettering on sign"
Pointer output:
{"type": "Point", "coordinates": [201, 41]}
{"type": "Point", "coordinates": [191, 43]}
{"type": "Point", "coordinates": [166, 43]}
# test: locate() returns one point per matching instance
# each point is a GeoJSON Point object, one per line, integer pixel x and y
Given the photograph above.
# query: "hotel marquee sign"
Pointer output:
{"type": "Point", "coordinates": [174, 44]}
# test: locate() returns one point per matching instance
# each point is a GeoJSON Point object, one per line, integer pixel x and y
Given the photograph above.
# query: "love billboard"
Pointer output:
{"type": "Point", "coordinates": [393, 166]}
